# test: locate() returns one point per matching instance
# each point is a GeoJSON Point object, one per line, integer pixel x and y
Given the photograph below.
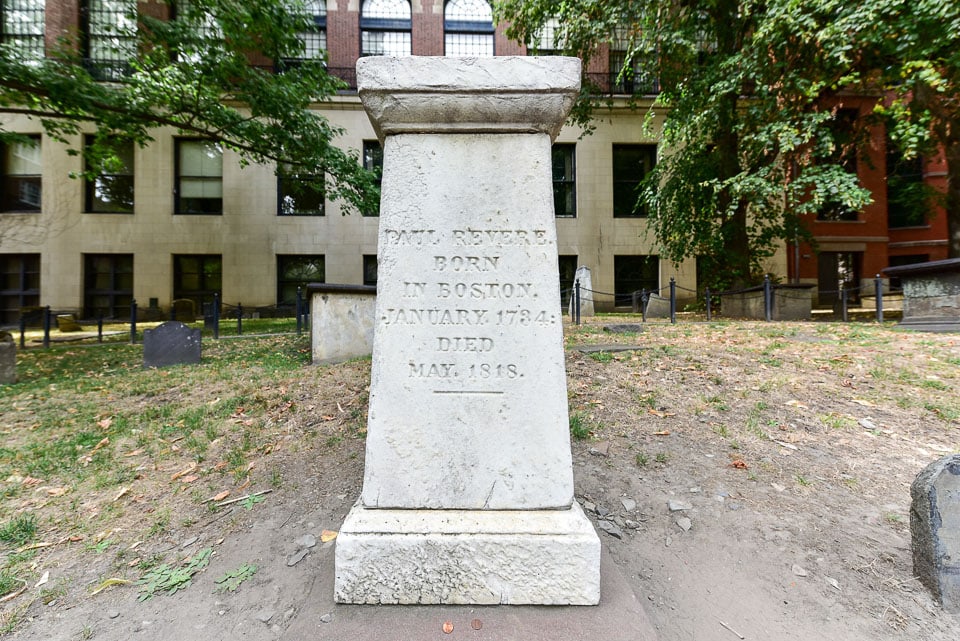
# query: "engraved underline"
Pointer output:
{"type": "Point", "coordinates": [465, 391]}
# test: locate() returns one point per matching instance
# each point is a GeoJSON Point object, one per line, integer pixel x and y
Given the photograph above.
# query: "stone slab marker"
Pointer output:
{"type": "Point", "coordinates": [468, 483]}
{"type": "Point", "coordinates": [171, 343]}
{"type": "Point", "coordinates": [935, 530]}
{"type": "Point", "coordinates": [8, 359]}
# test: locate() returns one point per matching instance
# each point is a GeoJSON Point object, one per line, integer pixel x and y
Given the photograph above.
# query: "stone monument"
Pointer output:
{"type": "Point", "coordinates": [468, 483]}
{"type": "Point", "coordinates": [935, 530]}
{"type": "Point", "coordinates": [585, 281]}
{"type": "Point", "coordinates": [8, 359]}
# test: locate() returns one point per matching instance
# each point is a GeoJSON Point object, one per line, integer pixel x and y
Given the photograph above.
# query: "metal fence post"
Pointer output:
{"type": "Point", "coordinates": [576, 301]}
{"type": "Point", "coordinates": [878, 288]}
{"type": "Point", "coordinates": [299, 308]}
{"type": "Point", "coordinates": [23, 331]}
{"type": "Point", "coordinates": [46, 326]}
{"type": "Point", "coordinates": [133, 322]}
{"type": "Point", "coordinates": [100, 328]}
{"type": "Point", "coordinates": [239, 319]}
{"type": "Point", "coordinates": [767, 298]}
{"type": "Point", "coordinates": [216, 316]}
{"type": "Point", "coordinates": [706, 295]}
{"type": "Point", "coordinates": [673, 300]}
{"type": "Point", "coordinates": [843, 302]}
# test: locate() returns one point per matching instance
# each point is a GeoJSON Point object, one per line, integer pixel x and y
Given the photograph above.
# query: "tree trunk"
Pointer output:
{"type": "Point", "coordinates": [952, 154]}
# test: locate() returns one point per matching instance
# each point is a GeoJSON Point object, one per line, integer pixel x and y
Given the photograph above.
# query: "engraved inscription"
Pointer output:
{"type": "Point", "coordinates": [464, 344]}
{"type": "Point", "coordinates": [411, 237]}
{"type": "Point", "coordinates": [486, 291]}
{"type": "Point", "coordinates": [465, 263]}
{"type": "Point", "coordinates": [500, 237]}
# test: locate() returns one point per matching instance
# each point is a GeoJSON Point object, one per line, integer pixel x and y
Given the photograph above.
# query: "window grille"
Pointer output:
{"type": "Point", "coordinates": [22, 27]}
{"type": "Point", "coordinates": [112, 190]}
{"type": "Point", "coordinates": [385, 28]}
{"type": "Point", "coordinates": [468, 28]}
{"type": "Point", "coordinates": [110, 37]}
{"type": "Point", "coordinates": [296, 272]}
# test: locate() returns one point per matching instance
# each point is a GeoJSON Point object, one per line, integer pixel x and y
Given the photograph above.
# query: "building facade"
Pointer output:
{"type": "Point", "coordinates": [183, 219]}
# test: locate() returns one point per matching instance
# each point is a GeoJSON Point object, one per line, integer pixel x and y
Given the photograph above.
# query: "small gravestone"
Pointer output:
{"type": "Point", "coordinates": [8, 359]}
{"type": "Point", "coordinates": [184, 310]}
{"type": "Point", "coordinates": [582, 277]}
{"type": "Point", "coordinates": [935, 530]}
{"type": "Point", "coordinates": [171, 343]}
{"type": "Point", "coordinates": [67, 323]}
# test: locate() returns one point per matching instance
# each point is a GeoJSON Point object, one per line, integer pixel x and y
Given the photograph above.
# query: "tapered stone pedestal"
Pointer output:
{"type": "Point", "coordinates": [468, 483]}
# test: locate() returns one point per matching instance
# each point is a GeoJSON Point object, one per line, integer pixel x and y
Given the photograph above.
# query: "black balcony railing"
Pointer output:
{"type": "Point", "coordinates": [612, 84]}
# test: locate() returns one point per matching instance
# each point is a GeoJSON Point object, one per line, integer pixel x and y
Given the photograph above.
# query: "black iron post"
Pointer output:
{"type": "Point", "coordinates": [46, 326]}
{"type": "Point", "coordinates": [767, 298]}
{"type": "Point", "coordinates": [843, 302]}
{"type": "Point", "coordinates": [23, 331]}
{"type": "Point", "coordinates": [133, 322]}
{"type": "Point", "coordinates": [299, 308]}
{"type": "Point", "coordinates": [100, 328]}
{"type": "Point", "coordinates": [673, 300]}
{"type": "Point", "coordinates": [878, 288]}
{"type": "Point", "coordinates": [239, 319]}
{"type": "Point", "coordinates": [576, 301]}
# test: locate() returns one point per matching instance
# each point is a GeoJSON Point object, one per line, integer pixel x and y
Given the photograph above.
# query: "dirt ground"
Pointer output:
{"type": "Point", "coordinates": [792, 446]}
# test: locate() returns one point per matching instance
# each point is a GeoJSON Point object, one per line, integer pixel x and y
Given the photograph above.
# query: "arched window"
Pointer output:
{"type": "Point", "coordinates": [315, 39]}
{"type": "Point", "coordinates": [385, 28]}
{"type": "Point", "coordinates": [468, 28]}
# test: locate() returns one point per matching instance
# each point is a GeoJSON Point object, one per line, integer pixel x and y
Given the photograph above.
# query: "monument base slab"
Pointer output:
{"type": "Point", "coordinates": [483, 557]}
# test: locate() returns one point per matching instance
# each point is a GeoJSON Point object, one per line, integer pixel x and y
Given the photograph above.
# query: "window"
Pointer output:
{"type": "Point", "coordinates": [567, 266]}
{"type": "Point", "coordinates": [631, 163]}
{"type": "Point", "coordinates": [111, 192]}
{"type": "Point", "coordinates": [197, 278]}
{"type": "Point", "coordinates": [385, 28]}
{"type": "Point", "coordinates": [300, 194]}
{"type": "Point", "coordinates": [906, 192]}
{"type": "Point", "coordinates": [564, 180]}
{"type": "Point", "coordinates": [315, 40]}
{"type": "Point", "coordinates": [109, 37]}
{"type": "Point", "coordinates": [373, 161]}
{"type": "Point", "coordinates": [107, 285]}
{"type": "Point", "coordinates": [20, 175]}
{"type": "Point", "coordinates": [370, 269]}
{"type": "Point", "coordinates": [836, 270]}
{"type": "Point", "coordinates": [204, 32]}
{"type": "Point", "coordinates": [548, 40]}
{"type": "Point", "coordinates": [19, 285]}
{"type": "Point", "coordinates": [841, 131]}
{"type": "Point", "coordinates": [22, 27]}
{"type": "Point", "coordinates": [628, 74]}
{"type": "Point", "coordinates": [632, 274]}
{"type": "Point", "coordinates": [468, 28]}
{"type": "Point", "coordinates": [199, 177]}
{"type": "Point", "coordinates": [295, 272]}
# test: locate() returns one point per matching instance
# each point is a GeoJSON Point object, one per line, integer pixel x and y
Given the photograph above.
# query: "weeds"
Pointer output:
{"type": "Point", "coordinates": [601, 356]}
{"type": "Point", "coordinates": [19, 530]}
{"type": "Point", "coordinates": [579, 428]}
{"type": "Point", "coordinates": [164, 579]}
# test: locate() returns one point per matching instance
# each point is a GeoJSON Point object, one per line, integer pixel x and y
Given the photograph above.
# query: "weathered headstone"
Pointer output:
{"type": "Point", "coordinates": [935, 530]}
{"type": "Point", "coordinates": [8, 359]}
{"type": "Point", "coordinates": [184, 310]}
{"type": "Point", "coordinates": [342, 320]}
{"type": "Point", "coordinates": [583, 279]}
{"type": "Point", "coordinates": [68, 323]}
{"type": "Point", "coordinates": [468, 484]}
{"type": "Point", "coordinates": [171, 343]}
{"type": "Point", "coordinates": [931, 295]}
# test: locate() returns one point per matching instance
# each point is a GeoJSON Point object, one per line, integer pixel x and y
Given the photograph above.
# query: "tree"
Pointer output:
{"type": "Point", "coordinates": [194, 72]}
{"type": "Point", "coordinates": [912, 50]}
{"type": "Point", "coordinates": [751, 92]}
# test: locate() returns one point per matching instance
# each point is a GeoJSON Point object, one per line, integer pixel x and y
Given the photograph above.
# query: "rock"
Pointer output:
{"type": "Point", "coordinates": [778, 487]}
{"type": "Point", "coordinates": [734, 506]}
{"type": "Point", "coordinates": [113, 614]}
{"type": "Point", "coordinates": [603, 512]}
{"type": "Point", "coordinates": [189, 542]}
{"type": "Point", "coordinates": [799, 571]}
{"type": "Point", "coordinates": [695, 490]}
{"type": "Point", "coordinates": [326, 618]}
{"type": "Point", "coordinates": [677, 506]}
{"type": "Point", "coordinates": [684, 523]}
{"type": "Point", "coordinates": [833, 582]}
{"type": "Point", "coordinates": [633, 525]}
{"type": "Point", "coordinates": [610, 528]}
{"type": "Point", "coordinates": [601, 449]}
{"type": "Point", "coordinates": [296, 557]}
{"type": "Point", "coordinates": [934, 519]}
{"type": "Point", "coordinates": [264, 616]}
{"type": "Point", "coordinates": [867, 424]}
{"type": "Point", "coordinates": [668, 541]}
{"type": "Point", "coordinates": [629, 505]}
{"type": "Point", "coordinates": [307, 541]}
{"type": "Point", "coordinates": [589, 507]}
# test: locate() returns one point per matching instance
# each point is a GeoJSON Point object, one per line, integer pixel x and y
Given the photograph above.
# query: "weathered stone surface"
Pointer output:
{"type": "Point", "coordinates": [8, 359]}
{"type": "Point", "coordinates": [342, 320]}
{"type": "Point", "coordinates": [171, 343]}
{"type": "Point", "coordinates": [935, 530]}
{"type": "Point", "coordinates": [546, 557]}
{"type": "Point", "coordinates": [468, 464]}
{"type": "Point", "coordinates": [931, 295]}
{"type": "Point", "coordinates": [68, 323]}
{"type": "Point", "coordinates": [582, 276]}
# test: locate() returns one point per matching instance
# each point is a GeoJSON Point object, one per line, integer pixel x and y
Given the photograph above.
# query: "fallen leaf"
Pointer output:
{"type": "Point", "coordinates": [137, 452]}
{"type": "Point", "coordinates": [219, 466]}
{"type": "Point", "coordinates": [740, 465]}
{"type": "Point", "coordinates": [30, 481]}
{"type": "Point", "coordinates": [104, 441]}
{"type": "Point", "coordinates": [57, 491]}
{"type": "Point", "coordinates": [860, 401]}
{"type": "Point", "coordinates": [105, 423]}
{"type": "Point", "coordinates": [327, 535]}
{"type": "Point", "coordinates": [327, 417]}
{"type": "Point", "coordinates": [189, 479]}
{"type": "Point", "coordinates": [796, 403]}
{"type": "Point", "coordinates": [184, 471]}
{"type": "Point", "coordinates": [108, 583]}
{"type": "Point", "coordinates": [221, 495]}
{"type": "Point", "coordinates": [660, 414]}
{"type": "Point", "coordinates": [43, 579]}
{"type": "Point", "coordinates": [662, 433]}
